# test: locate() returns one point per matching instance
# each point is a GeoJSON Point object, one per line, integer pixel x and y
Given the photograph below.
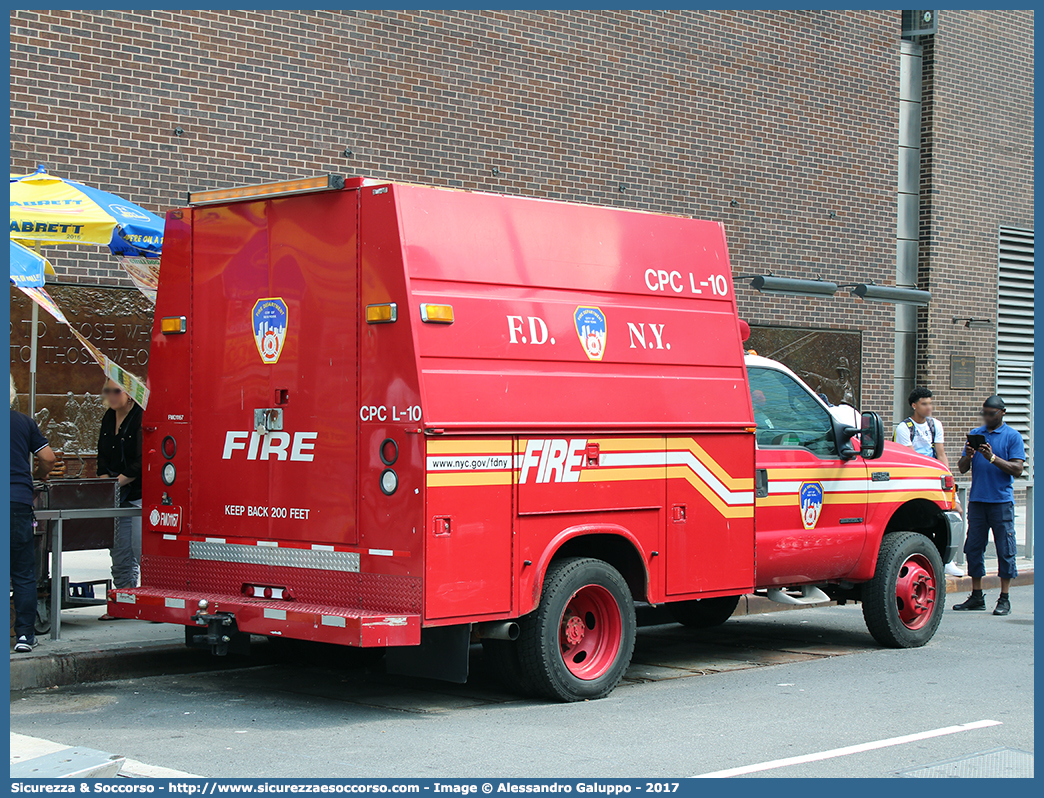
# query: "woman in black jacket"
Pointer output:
{"type": "Point", "coordinates": [119, 455]}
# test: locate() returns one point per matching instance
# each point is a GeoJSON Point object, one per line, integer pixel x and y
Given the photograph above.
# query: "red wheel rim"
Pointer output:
{"type": "Point", "coordinates": [590, 632]}
{"type": "Point", "coordinates": [915, 591]}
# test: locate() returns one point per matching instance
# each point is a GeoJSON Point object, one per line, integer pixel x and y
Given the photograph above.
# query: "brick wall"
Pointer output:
{"type": "Point", "coordinates": [792, 115]}
{"type": "Point", "coordinates": [977, 175]}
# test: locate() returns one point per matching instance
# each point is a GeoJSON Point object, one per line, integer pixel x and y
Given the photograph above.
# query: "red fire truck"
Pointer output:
{"type": "Point", "coordinates": [394, 416]}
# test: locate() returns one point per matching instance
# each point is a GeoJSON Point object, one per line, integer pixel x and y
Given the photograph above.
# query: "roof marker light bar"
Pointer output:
{"type": "Point", "coordinates": [307, 185]}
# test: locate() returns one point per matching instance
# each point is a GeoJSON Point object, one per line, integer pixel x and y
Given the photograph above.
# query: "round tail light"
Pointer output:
{"type": "Point", "coordinates": [389, 452]}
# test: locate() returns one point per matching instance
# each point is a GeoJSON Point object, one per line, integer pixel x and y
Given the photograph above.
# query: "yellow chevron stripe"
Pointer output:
{"type": "Point", "coordinates": [449, 446]}
{"type": "Point", "coordinates": [726, 479]}
{"type": "Point", "coordinates": [455, 479]}
{"type": "Point", "coordinates": [686, 473]}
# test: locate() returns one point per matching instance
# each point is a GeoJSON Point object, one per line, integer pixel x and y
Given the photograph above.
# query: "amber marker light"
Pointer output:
{"type": "Point", "coordinates": [173, 325]}
{"type": "Point", "coordinates": [381, 314]}
{"type": "Point", "coordinates": [437, 314]}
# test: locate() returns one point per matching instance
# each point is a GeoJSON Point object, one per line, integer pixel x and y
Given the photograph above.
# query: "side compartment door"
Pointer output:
{"type": "Point", "coordinates": [810, 510]}
{"type": "Point", "coordinates": [468, 540]}
{"type": "Point", "coordinates": [710, 513]}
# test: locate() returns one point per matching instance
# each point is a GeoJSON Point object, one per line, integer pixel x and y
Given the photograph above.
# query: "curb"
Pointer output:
{"type": "Point", "coordinates": [132, 662]}
{"type": "Point", "coordinates": [963, 584]}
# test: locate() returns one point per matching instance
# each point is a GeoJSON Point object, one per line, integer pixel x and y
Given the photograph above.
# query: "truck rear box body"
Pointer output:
{"type": "Point", "coordinates": [591, 383]}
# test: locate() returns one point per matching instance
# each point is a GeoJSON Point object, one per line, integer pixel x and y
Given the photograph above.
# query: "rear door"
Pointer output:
{"type": "Point", "coordinates": [274, 340]}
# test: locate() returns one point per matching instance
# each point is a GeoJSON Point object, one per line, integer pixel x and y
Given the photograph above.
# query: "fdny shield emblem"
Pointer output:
{"type": "Point", "coordinates": [811, 495]}
{"type": "Point", "coordinates": [270, 322]}
{"type": "Point", "coordinates": [590, 328]}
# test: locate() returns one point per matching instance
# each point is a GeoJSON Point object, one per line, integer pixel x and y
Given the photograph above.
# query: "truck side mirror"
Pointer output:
{"type": "Point", "coordinates": [871, 436]}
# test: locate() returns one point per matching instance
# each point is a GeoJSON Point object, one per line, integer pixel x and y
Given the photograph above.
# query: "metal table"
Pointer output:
{"type": "Point", "coordinates": [56, 549]}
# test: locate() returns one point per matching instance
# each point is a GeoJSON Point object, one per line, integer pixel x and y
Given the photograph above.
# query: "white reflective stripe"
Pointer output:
{"type": "Point", "coordinates": [126, 598]}
{"type": "Point", "coordinates": [726, 495]}
{"type": "Point", "coordinates": [317, 547]}
{"type": "Point", "coordinates": [178, 604]}
{"type": "Point", "coordinates": [382, 552]}
{"type": "Point", "coordinates": [170, 537]}
{"type": "Point", "coordinates": [333, 620]}
{"type": "Point", "coordinates": [730, 497]}
{"type": "Point", "coordinates": [857, 485]}
{"type": "Point", "coordinates": [268, 543]}
{"type": "Point", "coordinates": [215, 540]}
{"type": "Point", "coordinates": [276, 615]}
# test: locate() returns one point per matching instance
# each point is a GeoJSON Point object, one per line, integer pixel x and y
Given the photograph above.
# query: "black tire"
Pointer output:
{"type": "Point", "coordinates": [905, 559]}
{"type": "Point", "coordinates": [704, 613]}
{"type": "Point", "coordinates": [501, 658]}
{"type": "Point", "coordinates": [42, 623]}
{"type": "Point", "coordinates": [601, 614]}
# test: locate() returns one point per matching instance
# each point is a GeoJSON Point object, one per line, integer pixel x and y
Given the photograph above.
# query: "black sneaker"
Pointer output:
{"type": "Point", "coordinates": [1003, 606]}
{"type": "Point", "coordinates": [25, 644]}
{"type": "Point", "coordinates": [973, 602]}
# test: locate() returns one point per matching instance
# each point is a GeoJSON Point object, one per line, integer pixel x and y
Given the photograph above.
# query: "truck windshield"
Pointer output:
{"type": "Point", "coordinates": [786, 415]}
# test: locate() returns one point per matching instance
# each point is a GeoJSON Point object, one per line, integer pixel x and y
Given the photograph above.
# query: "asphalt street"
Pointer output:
{"type": "Point", "coordinates": [760, 689]}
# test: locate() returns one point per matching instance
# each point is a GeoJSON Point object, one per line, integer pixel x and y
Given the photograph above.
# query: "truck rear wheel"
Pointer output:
{"type": "Point", "coordinates": [704, 613]}
{"type": "Point", "coordinates": [579, 641]}
{"type": "Point", "coordinates": [501, 657]}
{"type": "Point", "coordinates": [903, 603]}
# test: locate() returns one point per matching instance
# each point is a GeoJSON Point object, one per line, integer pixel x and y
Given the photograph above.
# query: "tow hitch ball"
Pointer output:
{"type": "Point", "coordinates": [222, 637]}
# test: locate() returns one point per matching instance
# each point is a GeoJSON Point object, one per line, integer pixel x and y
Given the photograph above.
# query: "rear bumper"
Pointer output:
{"type": "Point", "coordinates": [325, 624]}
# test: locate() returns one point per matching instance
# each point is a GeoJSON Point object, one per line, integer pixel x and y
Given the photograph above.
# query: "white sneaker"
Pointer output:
{"type": "Point", "coordinates": [951, 569]}
{"type": "Point", "coordinates": [25, 644]}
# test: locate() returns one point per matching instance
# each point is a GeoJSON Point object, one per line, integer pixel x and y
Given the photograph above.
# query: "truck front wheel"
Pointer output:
{"type": "Point", "coordinates": [903, 603]}
{"type": "Point", "coordinates": [579, 641]}
{"type": "Point", "coordinates": [704, 613]}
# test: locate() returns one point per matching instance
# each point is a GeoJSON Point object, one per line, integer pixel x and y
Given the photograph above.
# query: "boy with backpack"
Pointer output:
{"type": "Point", "coordinates": [924, 435]}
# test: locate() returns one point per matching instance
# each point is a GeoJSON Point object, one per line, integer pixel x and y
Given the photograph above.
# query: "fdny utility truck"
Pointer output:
{"type": "Point", "coordinates": [399, 417]}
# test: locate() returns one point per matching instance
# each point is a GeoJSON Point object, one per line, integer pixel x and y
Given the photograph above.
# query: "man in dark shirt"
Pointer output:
{"type": "Point", "coordinates": [26, 441]}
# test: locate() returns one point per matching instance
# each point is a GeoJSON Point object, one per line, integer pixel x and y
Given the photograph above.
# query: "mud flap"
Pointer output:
{"type": "Point", "coordinates": [442, 654]}
{"type": "Point", "coordinates": [222, 635]}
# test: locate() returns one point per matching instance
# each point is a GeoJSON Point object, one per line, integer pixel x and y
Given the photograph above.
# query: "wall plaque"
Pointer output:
{"type": "Point", "coordinates": [962, 372]}
{"type": "Point", "coordinates": [68, 381]}
{"type": "Point", "coordinates": [829, 361]}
